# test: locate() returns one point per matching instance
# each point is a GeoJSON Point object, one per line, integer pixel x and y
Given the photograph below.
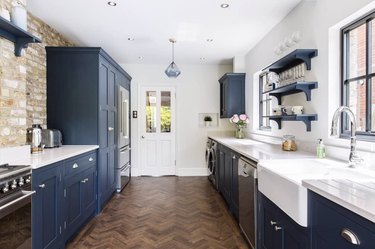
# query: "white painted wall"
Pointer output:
{"type": "Point", "coordinates": [316, 21]}
{"type": "Point", "coordinates": [197, 92]}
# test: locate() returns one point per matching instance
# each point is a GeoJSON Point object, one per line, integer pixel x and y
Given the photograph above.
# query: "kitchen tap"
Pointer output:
{"type": "Point", "coordinates": [354, 158]}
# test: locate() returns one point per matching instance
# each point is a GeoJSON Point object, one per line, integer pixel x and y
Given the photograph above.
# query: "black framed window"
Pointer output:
{"type": "Point", "coordinates": [265, 104]}
{"type": "Point", "coordinates": [358, 76]}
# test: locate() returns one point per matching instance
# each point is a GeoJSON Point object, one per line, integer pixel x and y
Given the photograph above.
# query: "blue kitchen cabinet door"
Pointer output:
{"type": "Point", "coordinates": [232, 94]}
{"type": "Point", "coordinates": [220, 168]}
{"type": "Point", "coordinates": [73, 204]}
{"type": "Point", "coordinates": [46, 207]}
{"type": "Point", "coordinates": [89, 192]}
{"type": "Point", "coordinates": [329, 220]}
{"type": "Point", "coordinates": [234, 184]}
{"type": "Point", "coordinates": [80, 200]}
{"type": "Point", "coordinates": [277, 230]}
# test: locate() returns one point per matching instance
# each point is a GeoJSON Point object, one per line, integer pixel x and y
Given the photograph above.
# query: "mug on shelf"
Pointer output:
{"type": "Point", "coordinates": [297, 109]}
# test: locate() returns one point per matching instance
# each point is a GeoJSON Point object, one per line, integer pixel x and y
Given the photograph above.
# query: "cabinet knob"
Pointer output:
{"type": "Point", "coordinates": [110, 128]}
{"type": "Point", "coordinates": [91, 159]}
{"type": "Point", "coordinates": [42, 185]}
{"type": "Point", "coordinates": [273, 223]}
{"type": "Point", "coordinates": [233, 157]}
{"type": "Point", "coordinates": [350, 236]}
{"type": "Point", "coordinates": [75, 165]}
{"type": "Point", "coordinates": [277, 228]}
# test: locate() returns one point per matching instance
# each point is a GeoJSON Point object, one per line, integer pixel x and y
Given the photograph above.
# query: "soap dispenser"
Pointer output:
{"type": "Point", "coordinates": [320, 149]}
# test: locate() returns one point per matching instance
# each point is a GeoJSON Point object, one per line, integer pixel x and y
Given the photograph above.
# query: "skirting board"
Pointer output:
{"type": "Point", "coordinates": [192, 171]}
{"type": "Point", "coordinates": [179, 172]}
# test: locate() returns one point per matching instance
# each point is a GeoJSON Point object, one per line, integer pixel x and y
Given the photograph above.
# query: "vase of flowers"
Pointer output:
{"type": "Point", "coordinates": [240, 122]}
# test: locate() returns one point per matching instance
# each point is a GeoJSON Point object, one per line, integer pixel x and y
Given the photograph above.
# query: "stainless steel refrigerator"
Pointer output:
{"type": "Point", "coordinates": [123, 144]}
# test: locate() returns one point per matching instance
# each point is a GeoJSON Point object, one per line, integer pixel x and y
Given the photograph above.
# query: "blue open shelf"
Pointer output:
{"type": "Point", "coordinates": [20, 37]}
{"type": "Point", "coordinates": [306, 118]}
{"type": "Point", "coordinates": [293, 88]}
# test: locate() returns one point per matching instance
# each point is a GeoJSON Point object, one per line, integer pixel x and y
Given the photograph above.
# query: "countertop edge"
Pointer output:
{"type": "Point", "coordinates": [81, 149]}
{"type": "Point", "coordinates": [313, 186]}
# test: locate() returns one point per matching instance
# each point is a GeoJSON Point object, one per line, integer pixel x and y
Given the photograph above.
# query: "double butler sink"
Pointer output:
{"type": "Point", "coordinates": [281, 181]}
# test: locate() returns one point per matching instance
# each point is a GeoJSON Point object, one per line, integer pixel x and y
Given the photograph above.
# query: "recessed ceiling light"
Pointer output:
{"type": "Point", "coordinates": [224, 5]}
{"type": "Point", "coordinates": [210, 40]}
{"type": "Point", "coordinates": [140, 57]}
{"type": "Point", "coordinates": [202, 58]}
{"type": "Point", "coordinates": [130, 39]}
{"type": "Point", "coordinates": [112, 3]}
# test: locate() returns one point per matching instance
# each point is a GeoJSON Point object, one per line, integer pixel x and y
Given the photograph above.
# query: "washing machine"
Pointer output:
{"type": "Point", "coordinates": [211, 162]}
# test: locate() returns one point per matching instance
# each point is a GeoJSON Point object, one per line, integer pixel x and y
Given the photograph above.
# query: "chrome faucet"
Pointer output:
{"type": "Point", "coordinates": [354, 158]}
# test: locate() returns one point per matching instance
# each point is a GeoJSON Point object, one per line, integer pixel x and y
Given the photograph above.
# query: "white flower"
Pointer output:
{"type": "Point", "coordinates": [243, 117]}
{"type": "Point", "coordinates": [235, 119]}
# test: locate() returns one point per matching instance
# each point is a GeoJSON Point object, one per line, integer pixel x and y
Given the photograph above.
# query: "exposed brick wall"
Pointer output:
{"type": "Point", "coordinates": [23, 81]}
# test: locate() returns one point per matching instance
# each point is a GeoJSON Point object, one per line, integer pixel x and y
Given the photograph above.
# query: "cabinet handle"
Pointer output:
{"type": "Point", "coordinates": [85, 180]}
{"type": "Point", "coordinates": [273, 223]}
{"type": "Point", "coordinates": [110, 128]}
{"type": "Point", "coordinates": [75, 165]}
{"type": "Point", "coordinates": [91, 159]}
{"type": "Point", "coordinates": [350, 236]}
{"type": "Point", "coordinates": [277, 228]}
{"type": "Point", "coordinates": [42, 185]}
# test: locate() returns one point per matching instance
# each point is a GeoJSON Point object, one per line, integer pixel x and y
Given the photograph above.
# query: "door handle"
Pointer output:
{"type": "Point", "coordinates": [143, 137]}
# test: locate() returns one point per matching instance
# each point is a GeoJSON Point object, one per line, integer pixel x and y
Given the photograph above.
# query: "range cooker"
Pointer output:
{"type": "Point", "coordinates": [15, 206]}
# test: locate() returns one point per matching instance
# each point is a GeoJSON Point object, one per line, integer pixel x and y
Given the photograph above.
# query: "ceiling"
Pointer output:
{"type": "Point", "coordinates": [234, 30]}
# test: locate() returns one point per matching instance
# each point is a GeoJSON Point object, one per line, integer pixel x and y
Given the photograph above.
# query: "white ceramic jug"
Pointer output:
{"type": "Point", "coordinates": [18, 16]}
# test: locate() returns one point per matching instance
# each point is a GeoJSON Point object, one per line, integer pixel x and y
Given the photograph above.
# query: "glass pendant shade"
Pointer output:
{"type": "Point", "coordinates": [172, 70]}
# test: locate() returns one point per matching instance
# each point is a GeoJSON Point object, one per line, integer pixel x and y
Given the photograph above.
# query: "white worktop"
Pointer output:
{"type": "Point", "coordinates": [257, 150]}
{"type": "Point", "coordinates": [21, 155]}
{"type": "Point", "coordinates": [354, 192]}
{"type": "Point", "coordinates": [355, 195]}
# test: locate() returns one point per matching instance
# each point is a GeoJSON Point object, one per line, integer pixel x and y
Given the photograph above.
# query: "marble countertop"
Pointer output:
{"type": "Point", "coordinates": [354, 194]}
{"type": "Point", "coordinates": [21, 155]}
{"type": "Point", "coordinates": [256, 150]}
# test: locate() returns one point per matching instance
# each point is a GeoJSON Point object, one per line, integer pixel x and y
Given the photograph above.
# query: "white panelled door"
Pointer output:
{"type": "Point", "coordinates": [157, 130]}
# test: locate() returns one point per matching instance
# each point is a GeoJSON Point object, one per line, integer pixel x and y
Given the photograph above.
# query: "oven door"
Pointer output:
{"type": "Point", "coordinates": [15, 220]}
{"type": "Point", "coordinates": [124, 175]}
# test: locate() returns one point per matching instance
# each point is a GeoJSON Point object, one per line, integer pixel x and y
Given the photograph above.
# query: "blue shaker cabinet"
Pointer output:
{"type": "Point", "coordinates": [228, 177]}
{"type": "Point", "coordinates": [82, 88]}
{"type": "Point", "coordinates": [232, 94]}
{"type": "Point", "coordinates": [47, 207]}
{"type": "Point", "coordinates": [333, 226]}
{"type": "Point", "coordinates": [66, 197]}
{"type": "Point", "coordinates": [277, 230]}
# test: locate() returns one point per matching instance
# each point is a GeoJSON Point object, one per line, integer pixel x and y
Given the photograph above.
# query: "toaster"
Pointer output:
{"type": "Point", "coordinates": [51, 138]}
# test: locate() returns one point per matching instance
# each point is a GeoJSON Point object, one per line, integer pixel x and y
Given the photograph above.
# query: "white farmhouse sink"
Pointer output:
{"type": "Point", "coordinates": [281, 181]}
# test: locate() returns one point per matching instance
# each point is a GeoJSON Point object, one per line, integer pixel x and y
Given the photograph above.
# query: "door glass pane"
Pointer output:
{"type": "Point", "coordinates": [150, 111]}
{"type": "Point", "coordinates": [357, 51]}
{"type": "Point", "coordinates": [357, 103]}
{"type": "Point", "coordinates": [165, 111]}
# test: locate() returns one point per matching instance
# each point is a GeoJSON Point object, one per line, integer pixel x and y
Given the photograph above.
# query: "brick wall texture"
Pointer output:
{"type": "Point", "coordinates": [23, 81]}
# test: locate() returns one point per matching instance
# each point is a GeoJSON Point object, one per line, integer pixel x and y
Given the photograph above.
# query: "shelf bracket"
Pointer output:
{"type": "Point", "coordinates": [20, 44]}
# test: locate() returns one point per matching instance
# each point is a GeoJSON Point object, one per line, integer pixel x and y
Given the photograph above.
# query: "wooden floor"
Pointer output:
{"type": "Point", "coordinates": [165, 212]}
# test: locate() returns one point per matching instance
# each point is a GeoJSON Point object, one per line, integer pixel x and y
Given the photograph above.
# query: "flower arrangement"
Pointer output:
{"type": "Point", "coordinates": [239, 121]}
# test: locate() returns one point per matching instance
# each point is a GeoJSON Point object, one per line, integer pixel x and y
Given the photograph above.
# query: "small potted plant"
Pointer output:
{"type": "Point", "coordinates": [208, 120]}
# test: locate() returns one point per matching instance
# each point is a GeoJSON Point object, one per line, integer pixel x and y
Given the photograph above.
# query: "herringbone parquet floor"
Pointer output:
{"type": "Point", "coordinates": [165, 213]}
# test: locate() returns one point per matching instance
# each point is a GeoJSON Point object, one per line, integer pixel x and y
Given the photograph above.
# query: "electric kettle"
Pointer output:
{"type": "Point", "coordinates": [34, 138]}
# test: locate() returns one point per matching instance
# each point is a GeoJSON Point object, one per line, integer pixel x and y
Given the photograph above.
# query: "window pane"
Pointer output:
{"type": "Point", "coordinates": [357, 51]}
{"type": "Point", "coordinates": [165, 112]}
{"type": "Point", "coordinates": [357, 103]}
{"type": "Point", "coordinates": [150, 111]}
{"type": "Point", "coordinates": [373, 105]}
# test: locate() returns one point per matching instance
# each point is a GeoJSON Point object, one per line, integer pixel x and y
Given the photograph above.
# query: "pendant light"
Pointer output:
{"type": "Point", "coordinates": [172, 70]}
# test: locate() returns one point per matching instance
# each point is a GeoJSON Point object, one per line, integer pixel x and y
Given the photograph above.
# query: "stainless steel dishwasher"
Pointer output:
{"type": "Point", "coordinates": [247, 187]}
